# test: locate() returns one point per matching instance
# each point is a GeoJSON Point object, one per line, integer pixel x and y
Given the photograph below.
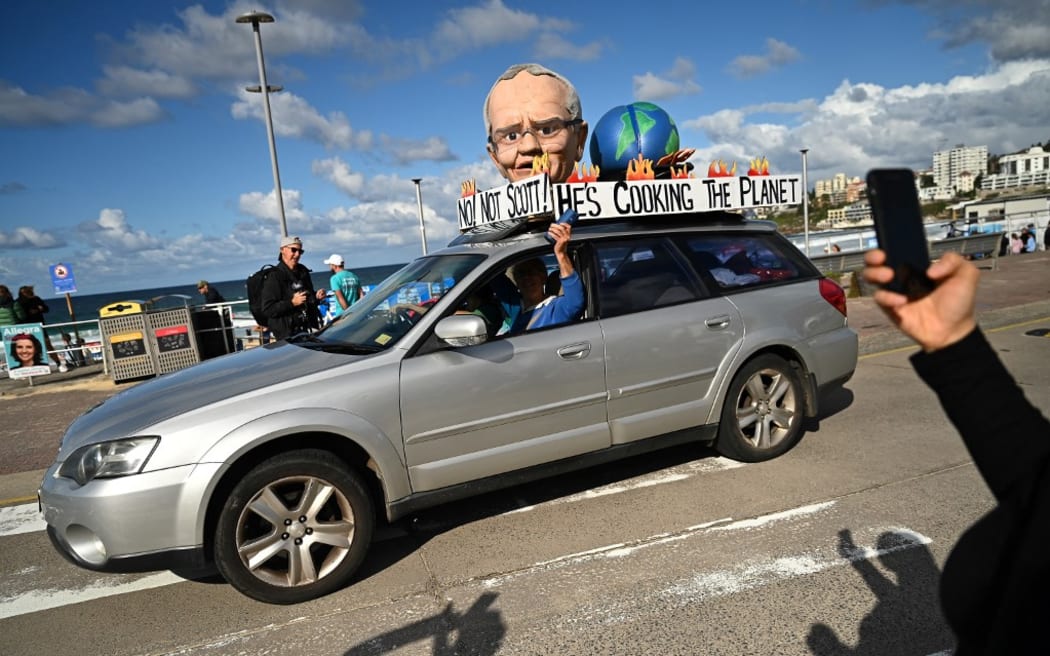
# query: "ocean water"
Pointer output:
{"type": "Point", "coordinates": [86, 306]}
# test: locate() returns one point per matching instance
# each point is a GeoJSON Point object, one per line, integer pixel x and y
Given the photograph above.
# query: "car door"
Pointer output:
{"type": "Point", "coordinates": [509, 403]}
{"type": "Point", "coordinates": [667, 340]}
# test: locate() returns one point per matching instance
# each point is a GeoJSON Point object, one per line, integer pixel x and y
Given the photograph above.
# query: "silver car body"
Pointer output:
{"type": "Point", "coordinates": [428, 421]}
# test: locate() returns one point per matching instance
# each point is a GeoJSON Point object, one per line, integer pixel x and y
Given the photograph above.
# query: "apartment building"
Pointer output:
{"type": "Point", "coordinates": [949, 166]}
{"type": "Point", "coordinates": [1026, 169]}
{"type": "Point", "coordinates": [849, 216]}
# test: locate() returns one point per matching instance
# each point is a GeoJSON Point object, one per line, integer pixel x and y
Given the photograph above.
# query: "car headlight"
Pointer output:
{"type": "Point", "coordinates": [108, 459]}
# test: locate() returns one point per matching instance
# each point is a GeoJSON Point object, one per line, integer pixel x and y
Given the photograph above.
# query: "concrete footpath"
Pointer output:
{"type": "Point", "coordinates": [35, 417]}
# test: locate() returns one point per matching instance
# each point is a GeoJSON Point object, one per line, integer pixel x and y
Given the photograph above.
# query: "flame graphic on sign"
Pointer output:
{"type": "Point", "coordinates": [718, 169]}
{"type": "Point", "coordinates": [759, 166]}
{"type": "Point", "coordinates": [640, 169]}
{"type": "Point", "coordinates": [468, 188]}
{"type": "Point", "coordinates": [585, 174]}
{"type": "Point", "coordinates": [680, 173]}
{"type": "Point", "coordinates": [541, 164]}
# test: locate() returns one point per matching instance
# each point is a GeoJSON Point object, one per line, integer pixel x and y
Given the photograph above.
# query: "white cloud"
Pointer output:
{"type": "Point", "coordinates": [72, 106]}
{"type": "Point", "coordinates": [112, 231]}
{"type": "Point", "coordinates": [482, 26]}
{"type": "Point", "coordinates": [26, 237]}
{"type": "Point", "coordinates": [777, 54]}
{"type": "Point", "coordinates": [407, 151]}
{"type": "Point", "coordinates": [338, 172]}
{"type": "Point", "coordinates": [128, 81]}
{"type": "Point", "coordinates": [862, 125]}
{"type": "Point", "coordinates": [114, 114]}
{"type": "Point", "coordinates": [554, 46]}
{"type": "Point", "coordinates": [264, 206]}
{"type": "Point", "coordinates": [294, 117]}
{"type": "Point", "coordinates": [677, 81]}
{"type": "Point", "coordinates": [1015, 30]}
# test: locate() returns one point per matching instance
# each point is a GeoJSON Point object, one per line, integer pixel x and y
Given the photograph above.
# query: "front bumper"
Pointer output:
{"type": "Point", "coordinates": [130, 523]}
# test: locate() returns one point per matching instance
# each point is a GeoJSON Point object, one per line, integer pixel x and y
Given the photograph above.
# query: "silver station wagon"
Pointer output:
{"type": "Point", "coordinates": [274, 464]}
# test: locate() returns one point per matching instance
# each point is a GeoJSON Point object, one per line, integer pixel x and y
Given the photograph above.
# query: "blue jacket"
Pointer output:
{"type": "Point", "coordinates": [552, 311]}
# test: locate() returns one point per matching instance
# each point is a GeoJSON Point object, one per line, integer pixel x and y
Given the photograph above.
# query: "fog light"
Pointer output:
{"type": "Point", "coordinates": [85, 544]}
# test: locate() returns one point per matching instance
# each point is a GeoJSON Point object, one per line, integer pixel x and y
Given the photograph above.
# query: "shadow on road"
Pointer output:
{"type": "Point", "coordinates": [906, 618]}
{"type": "Point", "coordinates": [479, 631]}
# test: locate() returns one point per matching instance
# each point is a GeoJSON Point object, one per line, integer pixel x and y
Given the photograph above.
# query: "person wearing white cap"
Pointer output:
{"type": "Point", "coordinates": [288, 297]}
{"type": "Point", "coordinates": [344, 284]}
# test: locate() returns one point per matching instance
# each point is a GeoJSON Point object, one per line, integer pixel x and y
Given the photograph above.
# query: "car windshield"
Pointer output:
{"type": "Point", "coordinates": [387, 311]}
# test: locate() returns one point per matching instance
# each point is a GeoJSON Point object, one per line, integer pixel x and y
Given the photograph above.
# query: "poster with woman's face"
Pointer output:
{"type": "Point", "coordinates": [24, 350]}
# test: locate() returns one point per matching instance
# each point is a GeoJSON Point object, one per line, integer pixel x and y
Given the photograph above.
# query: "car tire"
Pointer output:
{"type": "Point", "coordinates": [763, 411]}
{"type": "Point", "coordinates": [296, 527]}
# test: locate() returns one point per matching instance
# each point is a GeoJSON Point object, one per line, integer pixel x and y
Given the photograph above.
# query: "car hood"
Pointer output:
{"type": "Point", "coordinates": [153, 401]}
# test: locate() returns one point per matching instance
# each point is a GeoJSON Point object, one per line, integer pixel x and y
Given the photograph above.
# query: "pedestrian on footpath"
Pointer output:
{"type": "Point", "coordinates": [344, 284]}
{"type": "Point", "coordinates": [10, 311]}
{"type": "Point", "coordinates": [210, 294]}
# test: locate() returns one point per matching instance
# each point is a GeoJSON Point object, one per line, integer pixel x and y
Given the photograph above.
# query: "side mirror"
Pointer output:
{"type": "Point", "coordinates": [461, 330]}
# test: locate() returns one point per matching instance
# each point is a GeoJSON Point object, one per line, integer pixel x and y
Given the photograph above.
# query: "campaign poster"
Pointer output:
{"type": "Point", "coordinates": [24, 350]}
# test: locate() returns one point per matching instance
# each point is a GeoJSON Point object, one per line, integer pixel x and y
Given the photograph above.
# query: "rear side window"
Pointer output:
{"type": "Point", "coordinates": [640, 274]}
{"type": "Point", "coordinates": [744, 260]}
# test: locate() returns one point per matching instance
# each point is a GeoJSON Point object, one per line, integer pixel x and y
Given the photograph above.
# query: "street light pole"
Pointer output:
{"type": "Point", "coordinates": [805, 200]}
{"type": "Point", "coordinates": [419, 202]}
{"type": "Point", "coordinates": [255, 18]}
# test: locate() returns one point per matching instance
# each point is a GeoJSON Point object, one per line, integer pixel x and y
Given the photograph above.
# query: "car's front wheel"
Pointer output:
{"type": "Point", "coordinates": [296, 527]}
{"type": "Point", "coordinates": [763, 411]}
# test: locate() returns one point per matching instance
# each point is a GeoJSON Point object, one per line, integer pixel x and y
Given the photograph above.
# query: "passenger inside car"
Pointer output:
{"type": "Point", "coordinates": [525, 301]}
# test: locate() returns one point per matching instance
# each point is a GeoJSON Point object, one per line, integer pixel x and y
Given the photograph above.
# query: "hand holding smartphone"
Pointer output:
{"type": "Point", "coordinates": [899, 229]}
{"type": "Point", "coordinates": [569, 216]}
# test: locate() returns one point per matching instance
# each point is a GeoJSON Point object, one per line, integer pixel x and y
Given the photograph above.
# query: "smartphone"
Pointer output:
{"type": "Point", "coordinates": [569, 216]}
{"type": "Point", "coordinates": [899, 229]}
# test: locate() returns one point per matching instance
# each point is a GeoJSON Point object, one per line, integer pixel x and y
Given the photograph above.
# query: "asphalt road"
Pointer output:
{"type": "Point", "coordinates": [835, 548]}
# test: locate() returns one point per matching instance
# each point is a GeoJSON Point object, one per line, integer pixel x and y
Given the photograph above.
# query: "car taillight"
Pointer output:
{"type": "Point", "coordinates": [832, 293]}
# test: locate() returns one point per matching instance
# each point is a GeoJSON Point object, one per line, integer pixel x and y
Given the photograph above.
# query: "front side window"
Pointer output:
{"type": "Point", "coordinates": [531, 296]}
{"type": "Point", "coordinates": [386, 313]}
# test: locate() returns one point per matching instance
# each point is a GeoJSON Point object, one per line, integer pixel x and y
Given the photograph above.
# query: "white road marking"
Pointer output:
{"type": "Point", "coordinates": [35, 601]}
{"type": "Point", "coordinates": [775, 517]}
{"type": "Point", "coordinates": [732, 580]}
{"type": "Point", "coordinates": [25, 518]}
{"type": "Point", "coordinates": [705, 465]}
{"type": "Point", "coordinates": [620, 550]}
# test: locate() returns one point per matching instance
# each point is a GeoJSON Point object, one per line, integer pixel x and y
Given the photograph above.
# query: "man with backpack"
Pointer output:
{"type": "Point", "coordinates": [288, 301]}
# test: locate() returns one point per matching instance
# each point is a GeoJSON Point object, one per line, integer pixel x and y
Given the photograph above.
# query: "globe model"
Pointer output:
{"type": "Point", "coordinates": [625, 131]}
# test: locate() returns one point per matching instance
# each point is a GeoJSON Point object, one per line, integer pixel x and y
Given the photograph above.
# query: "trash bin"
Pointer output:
{"type": "Point", "coordinates": [214, 329]}
{"type": "Point", "coordinates": [124, 343]}
{"type": "Point", "coordinates": [173, 339]}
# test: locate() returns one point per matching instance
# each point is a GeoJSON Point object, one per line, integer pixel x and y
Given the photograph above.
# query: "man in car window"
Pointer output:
{"type": "Point", "coordinates": [528, 307]}
{"type": "Point", "coordinates": [531, 110]}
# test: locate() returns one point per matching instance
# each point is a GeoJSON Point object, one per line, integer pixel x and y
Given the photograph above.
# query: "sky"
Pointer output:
{"type": "Point", "coordinates": [131, 152]}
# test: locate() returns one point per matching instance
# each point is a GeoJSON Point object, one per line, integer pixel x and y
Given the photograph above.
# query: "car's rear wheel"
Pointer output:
{"type": "Point", "coordinates": [294, 528]}
{"type": "Point", "coordinates": [763, 411]}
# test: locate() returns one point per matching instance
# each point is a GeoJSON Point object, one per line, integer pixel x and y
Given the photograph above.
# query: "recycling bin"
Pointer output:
{"type": "Point", "coordinates": [125, 346]}
{"type": "Point", "coordinates": [172, 339]}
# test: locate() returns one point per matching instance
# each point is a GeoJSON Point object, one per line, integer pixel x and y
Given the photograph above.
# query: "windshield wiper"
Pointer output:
{"type": "Point", "coordinates": [311, 341]}
{"type": "Point", "coordinates": [304, 337]}
{"type": "Point", "coordinates": [348, 348]}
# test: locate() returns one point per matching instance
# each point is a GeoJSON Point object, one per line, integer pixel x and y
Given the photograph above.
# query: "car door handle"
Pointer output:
{"type": "Point", "coordinates": [721, 321]}
{"type": "Point", "coordinates": [574, 351]}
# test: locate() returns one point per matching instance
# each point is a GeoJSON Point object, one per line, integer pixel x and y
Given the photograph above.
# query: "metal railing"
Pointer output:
{"type": "Point", "coordinates": [985, 245]}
